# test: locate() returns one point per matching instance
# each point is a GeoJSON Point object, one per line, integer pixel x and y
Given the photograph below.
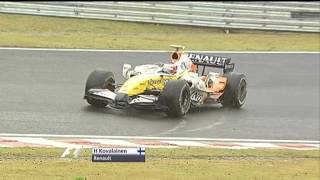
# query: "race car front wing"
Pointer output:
{"type": "Point", "coordinates": [121, 100]}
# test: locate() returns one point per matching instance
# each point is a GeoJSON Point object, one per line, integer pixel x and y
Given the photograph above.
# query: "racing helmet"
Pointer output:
{"type": "Point", "coordinates": [175, 56]}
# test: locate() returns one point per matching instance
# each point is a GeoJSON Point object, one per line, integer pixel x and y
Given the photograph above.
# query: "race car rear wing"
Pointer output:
{"type": "Point", "coordinates": [212, 61]}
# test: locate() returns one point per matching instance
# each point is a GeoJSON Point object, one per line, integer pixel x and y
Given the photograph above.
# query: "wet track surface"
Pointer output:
{"type": "Point", "coordinates": [41, 93]}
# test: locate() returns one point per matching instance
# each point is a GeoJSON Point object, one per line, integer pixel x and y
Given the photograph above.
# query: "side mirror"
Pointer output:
{"type": "Point", "coordinates": [126, 69]}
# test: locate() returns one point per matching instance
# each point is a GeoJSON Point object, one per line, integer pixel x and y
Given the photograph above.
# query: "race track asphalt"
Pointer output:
{"type": "Point", "coordinates": [41, 93]}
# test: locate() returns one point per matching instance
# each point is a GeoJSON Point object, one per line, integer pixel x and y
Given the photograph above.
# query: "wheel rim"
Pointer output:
{"type": "Point", "coordinates": [242, 91]}
{"type": "Point", "coordinates": [184, 101]}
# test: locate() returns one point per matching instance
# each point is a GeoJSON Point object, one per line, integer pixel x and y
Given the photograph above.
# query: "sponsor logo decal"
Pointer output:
{"type": "Point", "coordinates": [159, 81]}
{"type": "Point", "coordinates": [196, 96]}
{"type": "Point", "coordinates": [205, 59]}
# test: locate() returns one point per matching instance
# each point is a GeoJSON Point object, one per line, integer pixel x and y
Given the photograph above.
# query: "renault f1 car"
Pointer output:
{"type": "Point", "coordinates": [174, 87]}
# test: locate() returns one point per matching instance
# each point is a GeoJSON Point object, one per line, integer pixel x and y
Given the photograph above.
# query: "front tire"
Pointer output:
{"type": "Point", "coordinates": [176, 96]}
{"type": "Point", "coordinates": [102, 80]}
{"type": "Point", "coordinates": [235, 92]}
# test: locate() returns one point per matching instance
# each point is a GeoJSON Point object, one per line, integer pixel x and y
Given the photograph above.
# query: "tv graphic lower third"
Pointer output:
{"type": "Point", "coordinates": [118, 154]}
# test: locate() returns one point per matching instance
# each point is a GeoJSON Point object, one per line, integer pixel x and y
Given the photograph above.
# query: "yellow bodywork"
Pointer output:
{"type": "Point", "coordinates": [145, 82]}
{"type": "Point", "coordinates": [141, 83]}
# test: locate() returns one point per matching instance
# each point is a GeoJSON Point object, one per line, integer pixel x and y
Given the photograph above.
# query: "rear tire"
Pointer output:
{"type": "Point", "coordinates": [235, 92]}
{"type": "Point", "coordinates": [176, 96]}
{"type": "Point", "coordinates": [102, 80]}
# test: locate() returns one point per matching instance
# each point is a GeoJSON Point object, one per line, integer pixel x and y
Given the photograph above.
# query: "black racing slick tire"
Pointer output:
{"type": "Point", "coordinates": [102, 80]}
{"type": "Point", "coordinates": [176, 96]}
{"type": "Point", "coordinates": [235, 92]}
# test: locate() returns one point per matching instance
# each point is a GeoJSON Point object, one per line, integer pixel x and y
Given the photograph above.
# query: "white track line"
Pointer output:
{"type": "Point", "coordinates": [187, 143]}
{"type": "Point", "coordinates": [146, 51]}
{"type": "Point", "coordinates": [113, 142]}
{"type": "Point", "coordinates": [314, 145]}
{"type": "Point", "coordinates": [43, 141]}
{"type": "Point", "coordinates": [2, 145]}
{"type": "Point", "coordinates": [159, 138]}
{"type": "Point", "coordinates": [257, 145]}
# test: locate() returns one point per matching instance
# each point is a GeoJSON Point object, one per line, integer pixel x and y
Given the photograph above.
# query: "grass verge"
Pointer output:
{"type": "Point", "coordinates": [56, 32]}
{"type": "Point", "coordinates": [181, 163]}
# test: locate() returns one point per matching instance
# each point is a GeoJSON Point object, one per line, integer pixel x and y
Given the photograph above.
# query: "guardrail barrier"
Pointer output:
{"type": "Point", "coordinates": [262, 15]}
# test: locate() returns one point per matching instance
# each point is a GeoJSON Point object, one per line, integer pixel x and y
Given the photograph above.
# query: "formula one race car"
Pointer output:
{"type": "Point", "coordinates": [173, 87]}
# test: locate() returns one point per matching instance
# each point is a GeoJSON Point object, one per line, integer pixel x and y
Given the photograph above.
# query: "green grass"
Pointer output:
{"type": "Point", "coordinates": [181, 163]}
{"type": "Point", "coordinates": [55, 32]}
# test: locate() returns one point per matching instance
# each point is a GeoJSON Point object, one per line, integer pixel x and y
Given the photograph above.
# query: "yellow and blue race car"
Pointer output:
{"type": "Point", "coordinates": [173, 88]}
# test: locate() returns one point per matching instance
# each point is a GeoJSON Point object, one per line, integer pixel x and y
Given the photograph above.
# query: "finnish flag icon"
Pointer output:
{"type": "Point", "coordinates": [141, 151]}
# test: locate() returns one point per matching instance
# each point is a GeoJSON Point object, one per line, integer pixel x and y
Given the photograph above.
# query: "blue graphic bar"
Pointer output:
{"type": "Point", "coordinates": [118, 158]}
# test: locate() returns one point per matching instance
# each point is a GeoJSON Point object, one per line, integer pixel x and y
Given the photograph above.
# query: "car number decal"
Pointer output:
{"type": "Point", "coordinates": [196, 96]}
